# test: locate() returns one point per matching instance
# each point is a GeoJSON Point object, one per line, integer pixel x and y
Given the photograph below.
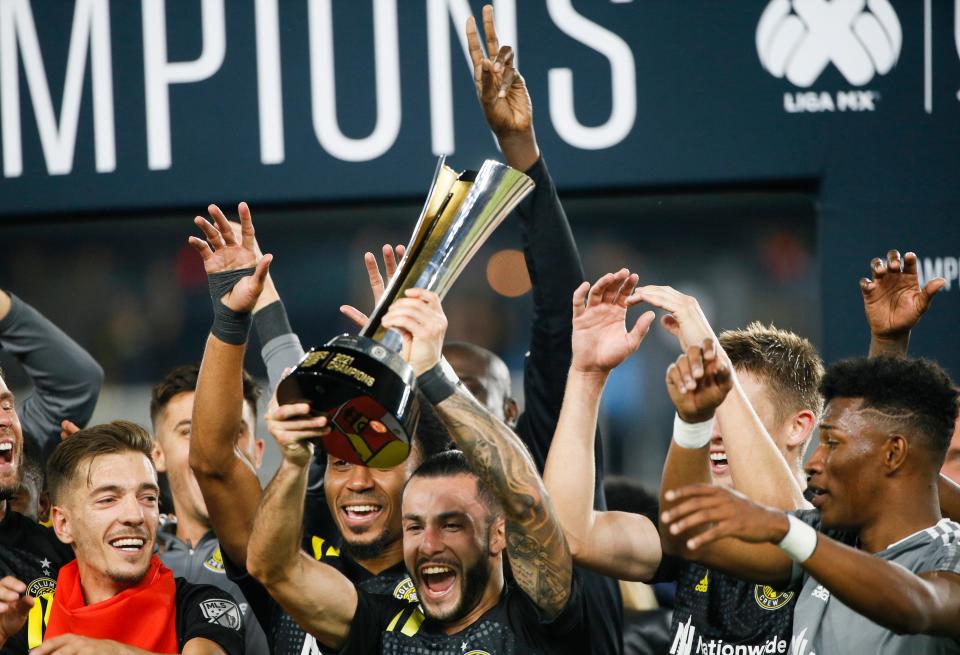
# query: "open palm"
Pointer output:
{"type": "Point", "coordinates": [601, 340]}
{"type": "Point", "coordinates": [893, 300]}
{"type": "Point", "coordinates": [223, 252]}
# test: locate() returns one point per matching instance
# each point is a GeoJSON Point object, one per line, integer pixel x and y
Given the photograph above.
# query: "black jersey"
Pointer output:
{"type": "Point", "coordinates": [32, 554]}
{"type": "Point", "coordinates": [713, 609]}
{"type": "Point", "coordinates": [513, 626]}
{"type": "Point", "coordinates": [207, 612]}
{"type": "Point", "coordinates": [283, 634]}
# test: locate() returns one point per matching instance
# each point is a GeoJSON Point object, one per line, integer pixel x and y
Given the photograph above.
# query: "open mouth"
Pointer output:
{"type": "Point", "coordinates": [438, 580]}
{"type": "Point", "coordinates": [718, 463]}
{"type": "Point", "coordinates": [361, 513]}
{"type": "Point", "coordinates": [817, 495]}
{"type": "Point", "coordinates": [128, 545]}
{"type": "Point", "coordinates": [6, 455]}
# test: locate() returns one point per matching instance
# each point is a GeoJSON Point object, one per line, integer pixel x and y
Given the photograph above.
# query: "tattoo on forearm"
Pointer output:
{"type": "Point", "coordinates": [538, 551]}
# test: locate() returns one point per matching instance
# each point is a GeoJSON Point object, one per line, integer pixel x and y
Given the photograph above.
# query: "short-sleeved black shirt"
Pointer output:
{"type": "Point", "coordinates": [204, 611]}
{"type": "Point", "coordinates": [513, 626]}
{"type": "Point", "coordinates": [283, 634]}
{"type": "Point", "coordinates": [32, 554]}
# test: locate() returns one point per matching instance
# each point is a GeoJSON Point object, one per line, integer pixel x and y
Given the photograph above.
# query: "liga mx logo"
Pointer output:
{"type": "Point", "coordinates": [798, 39]}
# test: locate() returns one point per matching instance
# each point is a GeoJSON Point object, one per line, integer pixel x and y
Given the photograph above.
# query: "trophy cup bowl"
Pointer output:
{"type": "Point", "coordinates": [360, 382]}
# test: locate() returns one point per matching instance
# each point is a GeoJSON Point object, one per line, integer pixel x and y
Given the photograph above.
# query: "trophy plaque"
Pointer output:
{"type": "Point", "coordinates": [360, 382]}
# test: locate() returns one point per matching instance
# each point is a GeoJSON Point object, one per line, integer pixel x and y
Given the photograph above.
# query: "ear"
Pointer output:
{"type": "Point", "coordinates": [510, 412]}
{"type": "Point", "coordinates": [799, 428]}
{"type": "Point", "coordinates": [498, 536]}
{"type": "Point", "coordinates": [895, 450]}
{"type": "Point", "coordinates": [159, 459]}
{"type": "Point", "coordinates": [61, 524]}
{"type": "Point", "coordinates": [43, 507]}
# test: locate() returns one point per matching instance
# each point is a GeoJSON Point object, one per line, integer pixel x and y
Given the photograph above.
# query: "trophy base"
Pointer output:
{"type": "Point", "coordinates": [367, 393]}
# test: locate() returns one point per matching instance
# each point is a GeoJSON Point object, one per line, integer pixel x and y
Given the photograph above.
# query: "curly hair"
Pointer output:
{"type": "Point", "coordinates": [912, 394]}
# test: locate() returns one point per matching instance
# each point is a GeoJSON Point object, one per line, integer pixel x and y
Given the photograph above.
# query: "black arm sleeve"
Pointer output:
{"type": "Point", "coordinates": [205, 612]}
{"type": "Point", "coordinates": [66, 379]}
{"type": "Point", "coordinates": [555, 271]}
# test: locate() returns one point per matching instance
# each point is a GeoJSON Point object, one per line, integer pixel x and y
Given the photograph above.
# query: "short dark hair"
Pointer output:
{"type": "Point", "coordinates": [789, 364]}
{"type": "Point", "coordinates": [628, 495]}
{"type": "Point", "coordinates": [107, 439]}
{"type": "Point", "coordinates": [453, 462]}
{"type": "Point", "coordinates": [183, 379]}
{"type": "Point", "coordinates": [913, 393]}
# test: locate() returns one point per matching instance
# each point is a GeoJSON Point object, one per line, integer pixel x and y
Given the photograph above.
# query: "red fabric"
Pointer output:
{"type": "Point", "coordinates": [144, 616]}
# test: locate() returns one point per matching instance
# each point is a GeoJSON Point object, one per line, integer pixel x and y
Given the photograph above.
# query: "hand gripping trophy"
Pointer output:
{"type": "Point", "coordinates": [361, 382]}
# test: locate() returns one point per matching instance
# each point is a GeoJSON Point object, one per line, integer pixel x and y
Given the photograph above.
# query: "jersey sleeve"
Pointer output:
{"type": "Point", "coordinates": [66, 379]}
{"type": "Point", "coordinates": [947, 558]}
{"type": "Point", "coordinates": [205, 612]}
{"type": "Point", "coordinates": [526, 617]}
{"type": "Point", "coordinates": [376, 613]}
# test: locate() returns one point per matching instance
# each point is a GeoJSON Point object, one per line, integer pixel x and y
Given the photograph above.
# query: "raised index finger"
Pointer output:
{"type": "Point", "coordinates": [223, 225]}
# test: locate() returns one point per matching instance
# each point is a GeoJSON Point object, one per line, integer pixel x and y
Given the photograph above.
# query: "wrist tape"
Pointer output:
{"type": "Point", "coordinates": [228, 326]}
{"type": "Point", "coordinates": [439, 383]}
{"type": "Point", "coordinates": [800, 540]}
{"type": "Point", "coordinates": [692, 435]}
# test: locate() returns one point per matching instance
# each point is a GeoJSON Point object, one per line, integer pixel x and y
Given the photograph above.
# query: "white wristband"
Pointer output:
{"type": "Point", "coordinates": [692, 435]}
{"type": "Point", "coordinates": [800, 540]}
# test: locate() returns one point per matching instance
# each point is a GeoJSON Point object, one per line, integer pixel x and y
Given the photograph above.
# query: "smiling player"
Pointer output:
{"type": "Point", "coordinates": [116, 598]}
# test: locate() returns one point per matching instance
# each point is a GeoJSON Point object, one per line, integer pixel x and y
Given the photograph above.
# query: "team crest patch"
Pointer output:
{"type": "Point", "coordinates": [477, 652]}
{"type": "Point", "coordinates": [222, 612]}
{"type": "Point", "coordinates": [406, 591]}
{"type": "Point", "coordinates": [41, 587]}
{"type": "Point", "coordinates": [769, 598]}
{"type": "Point", "coordinates": [215, 562]}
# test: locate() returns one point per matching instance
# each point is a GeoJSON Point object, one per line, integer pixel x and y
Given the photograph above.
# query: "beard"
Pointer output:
{"type": "Point", "coordinates": [475, 580]}
{"type": "Point", "coordinates": [360, 552]}
{"type": "Point", "coordinates": [10, 484]}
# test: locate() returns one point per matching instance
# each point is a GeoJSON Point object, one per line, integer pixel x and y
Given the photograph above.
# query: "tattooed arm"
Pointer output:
{"type": "Point", "coordinates": [539, 556]}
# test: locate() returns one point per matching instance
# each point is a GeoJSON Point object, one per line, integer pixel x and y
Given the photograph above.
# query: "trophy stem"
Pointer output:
{"type": "Point", "coordinates": [392, 340]}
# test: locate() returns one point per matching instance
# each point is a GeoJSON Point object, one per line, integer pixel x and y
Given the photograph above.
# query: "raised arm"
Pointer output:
{"type": "Point", "coordinates": [318, 597]}
{"type": "Point", "coordinates": [757, 466]}
{"type": "Point", "coordinates": [549, 249]}
{"type": "Point", "coordinates": [538, 552]}
{"type": "Point", "coordinates": [884, 592]}
{"type": "Point", "coordinates": [228, 481]}
{"type": "Point", "coordinates": [66, 379]}
{"type": "Point", "coordinates": [619, 544]}
{"type": "Point", "coordinates": [894, 301]}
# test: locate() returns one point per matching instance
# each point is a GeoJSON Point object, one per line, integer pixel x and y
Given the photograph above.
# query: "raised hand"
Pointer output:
{"type": "Point", "coordinates": [503, 93]}
{"type": "Point", "coordinates": [420, 318]}
{"type": "Point", "coordinates": [14, 606]}
{"type": "Point", "coordinates": [724, 513]}
{"type": "Point", "coordinates": [223, 252]}
{"type": "Point", "coordinates": [391, 259]}
{"type": "Point", "coordinates": [685, 320]}
{"type": "Point", "coordinates": [698, 382]}
{"type": "Point", "coordinates": [291, 426]}
{"type": "Point", "coordinates": [893, 299]}
{"type": "Point", "coordinates": [601, 340]}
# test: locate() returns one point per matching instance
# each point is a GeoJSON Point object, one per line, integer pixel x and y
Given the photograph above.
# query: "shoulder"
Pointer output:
{"type": "Point", "coordinates": [942, 547]}
{"type": "Point", "coordinates": [202, 603]}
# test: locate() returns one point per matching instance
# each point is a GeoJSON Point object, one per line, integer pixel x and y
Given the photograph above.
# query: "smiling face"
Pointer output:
{"type": "Point", "coordinates": [11, 445]}
{"type": "Point", "coordinates": [109, 514]}
{"type": "Point", "coordinates": [846, 468]}
{"type": "Point", "coordinates": [365, 503]}
{"type": "Point", "coordinates": [452, 545]}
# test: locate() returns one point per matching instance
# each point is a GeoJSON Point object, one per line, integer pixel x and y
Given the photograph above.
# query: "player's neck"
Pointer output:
{"type": "Point", "coordinates": [391, 555]}
{"type": "Point", "coordinates": [491, 596]}
{"type": "Point", "coordinates": [98, 587]}
{"type": "Point", "coordinates": [191, 530]}
{"type": "Point", "coordinates": [899, 515]}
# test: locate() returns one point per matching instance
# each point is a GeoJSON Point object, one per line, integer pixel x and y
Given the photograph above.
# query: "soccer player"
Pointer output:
{"type": "Point", "coordinates": [462, 512]}
{"type": "Point", "coordinates": [188, 546]}
{"type": "Point", "coordinates": [885, 576]}
{"type": "Point", "coordinates": [116, 597]}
